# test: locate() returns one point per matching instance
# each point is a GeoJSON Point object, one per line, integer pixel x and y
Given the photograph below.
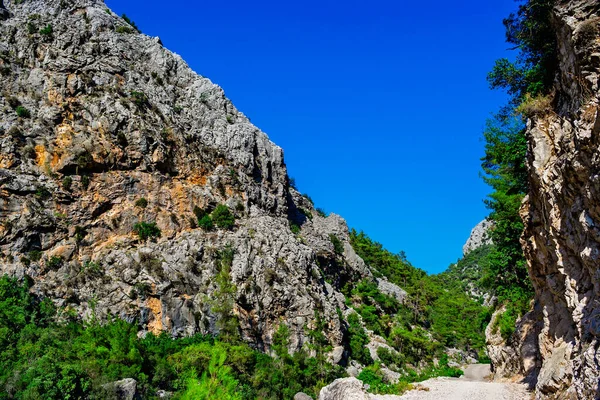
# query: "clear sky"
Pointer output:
{"type": "Point", "coordinates": [379, 105]}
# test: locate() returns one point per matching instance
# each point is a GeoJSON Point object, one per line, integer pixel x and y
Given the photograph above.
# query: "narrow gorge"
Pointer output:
{"type": "Point", "coordinates": [153, 245]}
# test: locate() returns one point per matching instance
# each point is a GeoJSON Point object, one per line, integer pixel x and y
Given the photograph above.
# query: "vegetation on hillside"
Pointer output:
{"type": "Point", "coordinates": [437, 312]}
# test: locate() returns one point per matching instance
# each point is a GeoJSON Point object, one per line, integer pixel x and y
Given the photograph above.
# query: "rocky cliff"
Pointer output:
{"type": "Point", "coordinates": [561, 214]}
{"type": "Point", "coordinates": [112, 151]}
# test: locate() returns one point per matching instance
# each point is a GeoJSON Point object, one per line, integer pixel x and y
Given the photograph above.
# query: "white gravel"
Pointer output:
{"type": "Point", "coordinates": [472, 386]}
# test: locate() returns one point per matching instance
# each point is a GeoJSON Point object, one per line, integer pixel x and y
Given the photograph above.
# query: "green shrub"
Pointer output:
{"type": "Point", "coordinates": [47, 31]}
{"type": "Point", "coordinates": [206, 223]}
{"type": "Point", "coordinates": [139, 99]}
{"type": "Point", "coordinates": [321, 212]}
{"type": "Point", "coordinates": [338, 246]}
{"type": "Point", "coordinates": [358, 341]}
{"type": "Point", "coordinates": [54, 262]}
{"type": "Point", "coordinates": [85, 181]}
{"type": "Point", "coordinates": [31, 28]}
{"type": "Point", "coordinates": [294, 228]}
{"type": "Point", "coordinates": [35, 255]}
{"type": "Point", "coordinates": [146, 230]}
{"type": "Point", "coordinates": [43, 193]}
{"type": "Point", "coordinates": [22, 112]}
{"type": "Point", "coordinates": [141, 203]}
{"type": "Point", "coordinates": [91, 268]}
{"type": "Point", "coordinates": [123, 29]}
{"type": "Point", "coordinates": [130, 22]}
{"type": "Point", "coordinates": [535, 106]}
{"type": "Point", "coordinates": [222, 217]}
{"type": "Point", "coordinates": [389, 358]}
{"type": "Point", "coordinates": [67, 183]}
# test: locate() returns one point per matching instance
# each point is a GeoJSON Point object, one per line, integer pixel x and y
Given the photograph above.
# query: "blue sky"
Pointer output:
{"type": "Point", "coordinates": [378, 105]}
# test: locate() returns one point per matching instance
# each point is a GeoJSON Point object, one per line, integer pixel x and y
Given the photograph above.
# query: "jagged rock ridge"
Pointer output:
{"type": "Point", "coordinates": [97, 117]}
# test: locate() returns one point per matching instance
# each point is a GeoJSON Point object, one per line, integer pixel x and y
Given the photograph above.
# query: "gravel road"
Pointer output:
{"type": "Point", "coordinates": [472, 386]}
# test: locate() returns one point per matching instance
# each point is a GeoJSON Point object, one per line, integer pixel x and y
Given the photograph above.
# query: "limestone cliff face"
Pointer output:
{"type": "Point", "coordinates": [562, 212]}
{"type": "Point", "coordinates": [95, 117]}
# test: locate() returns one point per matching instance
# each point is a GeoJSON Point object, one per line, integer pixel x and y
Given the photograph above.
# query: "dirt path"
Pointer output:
{"type": "Point", "coordinates": [472, 386]}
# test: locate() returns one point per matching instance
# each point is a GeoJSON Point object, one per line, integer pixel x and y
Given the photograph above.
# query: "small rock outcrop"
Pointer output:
{"type": "Point", "coordinates": [480, 236]}
{"type": "Point", "coordinates": [344, 388]}
{"type": "Point", "coordinates": [125, 389]}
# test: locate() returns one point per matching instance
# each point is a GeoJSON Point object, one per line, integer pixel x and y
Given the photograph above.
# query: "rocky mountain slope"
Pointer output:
{"type": "Point", "coordinates": [131, 187]}
{"type": "Point", "coordinates": [561, 214]}
{"type": "Point", "coordinates": [112, 152]}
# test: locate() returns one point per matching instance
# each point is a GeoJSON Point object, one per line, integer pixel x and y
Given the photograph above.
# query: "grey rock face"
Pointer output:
{"type": "Point", "coordinates": [561, 214]}
{"type": "Point", "coordinates": [113, 118]}
{"type": "Point", "coordinates": [391, 290]}
{"type": "Point", "coordinates": [480, 236]}
{"type": "Point", "coordinates": [517, 357]}
{"type": "Point", "coordinates": [345, 388]}
{"type": "Point", "coordinates": [302, 396]}
{"type": "Point", "coordinates": [125, 389]}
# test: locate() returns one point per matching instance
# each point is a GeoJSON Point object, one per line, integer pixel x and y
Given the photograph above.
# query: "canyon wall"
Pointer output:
{"type": "Point", "coordinates": [562, 212]}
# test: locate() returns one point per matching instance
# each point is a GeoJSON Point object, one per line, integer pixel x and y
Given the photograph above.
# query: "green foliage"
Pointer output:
{"type": "Point", "coordinates": [358, 340]}
{"type": "Point", "coordinates": [294, 228]}
{"type": "Point", "coordinates": [123, 29]}
{"type": "Point", "coordinates": [22, 112]}
{"type": "Point", "coordinates": [85, 181]}
{"type": "Point", "coordinates": [146, 230]}
{"type": "Point", "coordinates": [67, 183]}
{"type": "Point", "coordinates": [390, 358]}
{"type": "Point", "coordinates": [35, 255]}
{"type": "Point", "coordinates": [41, 358]}
{"type": "Point", "coordinates": [141, 202]}
{"type": "Point", "coordinates": [130, 22]}
{"type": "Point", "coordinates": [54, 262]}
{"type": "Point", "coordinates": [217, 381]}
{"type": "Point", "coordinates": [506, 172]}
{"type": "Point", "coordinates": [338, 246]}
{"type": "Point", "coordinates": [321, 212]}
{"type": "Point", "coordinates": [530, 31]}
{"type": "Point", "coordinates": [140, 99]}
{"type": "Point", "coordinates": [222, 217]}
{"type": "Point", "coordinates": [437, 312]}
{"type": "Point", "coordinates": [373, 377]}
{"type": "Point", "coordinates": [47, 31]}
{"type": "Point", "coordinates": [206, 223]}
{"type": "Point", "coordinates": [31, 28]}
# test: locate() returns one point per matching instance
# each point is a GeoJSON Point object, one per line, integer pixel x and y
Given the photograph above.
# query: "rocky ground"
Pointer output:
{"type": "Point", "coordinates": [474, 385]}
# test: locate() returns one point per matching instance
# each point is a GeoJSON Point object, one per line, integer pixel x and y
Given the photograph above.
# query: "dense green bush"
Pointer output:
{"type": "Point", "coordinates": [47, 31]}
{"type": "Point", "coordinates": [206, 223]}
{"type": "Point", "coordinates": [222, 217]}
{"type": "Point", "coordinates": [146, 230]}
{"type": "Point", "coordinates": [22, 112]}
{"type": "Point", "coordinates": [141, 202]}
{"type": "Point", "coordinates": [358, 341]}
